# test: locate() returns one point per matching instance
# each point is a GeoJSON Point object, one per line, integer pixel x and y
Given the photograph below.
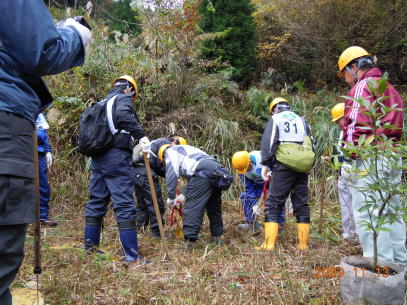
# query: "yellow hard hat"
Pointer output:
{"type": "Point", "coordinates": [338, 111]}
{"type": "Point", "coordinates": [161, 151]}
{"type": "Point", "coordinates": [181, 140]}
{"type": "Point", "coordinates": [276, 101]}
{"type": "Point", "coordinates": [129, 79]}
{"type": "Point", "coordinates": [349, 55]}
{"type": "Point", "coordinates": [241, 161]}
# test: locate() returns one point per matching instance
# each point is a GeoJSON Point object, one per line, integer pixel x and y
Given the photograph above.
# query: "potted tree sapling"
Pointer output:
{"type": "Point", "coordinates": [376, 172]}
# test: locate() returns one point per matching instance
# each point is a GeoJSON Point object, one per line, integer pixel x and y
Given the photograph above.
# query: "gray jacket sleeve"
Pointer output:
{"type": "Point", "coordinates": [269, 143]}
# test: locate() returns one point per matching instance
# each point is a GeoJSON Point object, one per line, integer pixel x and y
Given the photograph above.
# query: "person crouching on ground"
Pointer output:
{"type": "Point", "coordinates": [248, 166]}
{"type": "Point", "coordinates": [206, 180]}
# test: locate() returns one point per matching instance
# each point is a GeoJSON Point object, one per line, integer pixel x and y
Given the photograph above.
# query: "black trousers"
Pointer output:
{"type": "Point", "coordinates": [283, 182]}
{"type": "Point", "coordinates": [11, 256]}
{"type": "Point", "coordinates": [145, 213]}
{"type": "Point", "coordinates": [200, 196]}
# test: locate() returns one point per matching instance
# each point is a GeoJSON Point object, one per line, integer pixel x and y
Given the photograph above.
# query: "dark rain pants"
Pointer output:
{"type": "Point", "coordinates": [112, 177]}
{"type": "Point", "coordinates": [16, 195]}
{"type": "Point", "coordinates": [283, 181]}
{"type": "Point", "coordinates": [11, 253]}
{"type": "Point", "coordinates": [145, 207]}
{"type": "Point", "coordinates": [201, 196]}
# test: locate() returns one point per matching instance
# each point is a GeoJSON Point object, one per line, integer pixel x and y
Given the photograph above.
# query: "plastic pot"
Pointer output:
{"type": "Point", "coordinates": [361, 286]}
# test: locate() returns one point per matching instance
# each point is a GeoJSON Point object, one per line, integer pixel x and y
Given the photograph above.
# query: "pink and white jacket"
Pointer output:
{"type": "Point", "coordinates": [355, 118]}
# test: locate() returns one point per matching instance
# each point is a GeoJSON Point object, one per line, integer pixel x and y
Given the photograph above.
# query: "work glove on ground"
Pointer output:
{"type": "Point", "coordinates": [145, 144]}
{"type": "Point", "coordinates": [48, 157]}
{"type": "Point", "coordinates": [84, 32]}
{"type": "Point", "coordinates": [265, 172]}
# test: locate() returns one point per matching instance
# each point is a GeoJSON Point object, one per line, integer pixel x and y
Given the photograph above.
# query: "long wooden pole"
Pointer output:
{"type": "Point", "coordinates": [37, 224]}
{"type": "Point", "coordinates": [155, 203]}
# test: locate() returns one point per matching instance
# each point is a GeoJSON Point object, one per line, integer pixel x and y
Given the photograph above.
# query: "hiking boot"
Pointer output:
{"type": "Point", "coordinates": [48, 223]}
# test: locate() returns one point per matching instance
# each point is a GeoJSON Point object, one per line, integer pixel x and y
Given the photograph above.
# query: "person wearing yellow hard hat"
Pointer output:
{"type": "Point", "coordinates": [358, 69]}
{"type": "Point", "coordinates": [248, 166]}
{"type": "Point", "coordinates": [344, 180]}
{"type": "Point", "coordinates": [112, 171]}
{"type": "Point", "coordinates": [286, 147]}
{"type": "Point", "coordinates": [177, 140]}
{"type": "Point", "coordinates": [206, 177]}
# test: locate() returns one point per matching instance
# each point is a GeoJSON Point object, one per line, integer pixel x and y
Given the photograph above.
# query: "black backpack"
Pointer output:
{"type": "Point", "coordinates": [95, 136]}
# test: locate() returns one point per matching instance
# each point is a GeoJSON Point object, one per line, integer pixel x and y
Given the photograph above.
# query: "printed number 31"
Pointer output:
{"type": "Point", "coordinates": [287, 127]}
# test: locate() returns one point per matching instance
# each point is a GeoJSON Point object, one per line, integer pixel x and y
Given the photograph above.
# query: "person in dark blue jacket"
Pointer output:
{"type": "Point", "coordinates": [113, 176]}
{"type": "Point", "coordinates": [44, 163]}
{"type": "Point", "coordinates": [31, 46]}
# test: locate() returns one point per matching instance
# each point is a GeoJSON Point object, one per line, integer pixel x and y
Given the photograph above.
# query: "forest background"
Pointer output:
{"type": "Point", "coordinates": [211, 68]}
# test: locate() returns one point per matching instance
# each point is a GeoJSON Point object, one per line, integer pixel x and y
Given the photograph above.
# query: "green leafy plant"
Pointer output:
{"type": "Point", "coordinates": [379, 164]}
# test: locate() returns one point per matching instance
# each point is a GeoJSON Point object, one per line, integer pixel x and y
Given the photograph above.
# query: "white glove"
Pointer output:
{"type": "Point", "coordinates": [84, 32]}
{"type": "Point", "coordinates": [48, 157]}
{"type": "Point", "coordinates": [265, 172]}
{"type": "Point", "coordinates": [255, 210]}
{"type": "Point", "coordinates": [180, 199]}
{"type": "Point", "coordinates": [145, 144]}
{"type": "Point", "coordinates": [170, 202]}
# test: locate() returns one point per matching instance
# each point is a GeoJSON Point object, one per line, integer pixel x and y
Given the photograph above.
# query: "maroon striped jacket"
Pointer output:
{"type": "Point", "coordinates": [355, 118]}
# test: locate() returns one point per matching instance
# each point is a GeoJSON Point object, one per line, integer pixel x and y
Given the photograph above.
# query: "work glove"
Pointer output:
{"type": "Point", "coordinates": [145, 144]}
{"type": "Point", "coordinates": [170, 202]}
{"type": "Point", "coordinates": [84, 32]}
{"type": "Point", "coordinates": [265, 172]}
{"type": "Point", "coordinates": [48, 157]}
{"type": "Point", "coordinates": [180, 199]}
{"type": "Point", "coordinates": [256, 210]}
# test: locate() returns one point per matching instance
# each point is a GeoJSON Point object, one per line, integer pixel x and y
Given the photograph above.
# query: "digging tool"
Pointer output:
{"type": "Point", "coordinates": [155, 203]}
{"type": "Point", "coordinates": [179, 216]}
{"type": "Point", "coordinates": [37, 224]}
{"type": "Point", "coordinates": [264, 197]}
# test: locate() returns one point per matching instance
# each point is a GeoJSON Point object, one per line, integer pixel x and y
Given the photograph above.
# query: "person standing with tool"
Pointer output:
{"type": "Point", "coordinates": [344, 182]}
{"type": "Point", "coordinates": [286, 147]}
{"type": "Point", "coordinates": [145, 214]}
{"type": "Point", "coordinates": [248, 166]}
{"type": "Point", "coordinates": [29, 49]}
{"type": "Point", "coordinates": [113, 175]}
{"type": "Point", "coordinates": [44, 163]}
{"type": "Point", "coordinates": [358, 69]}
{"type": "Point", "coordinates": [206, 180]}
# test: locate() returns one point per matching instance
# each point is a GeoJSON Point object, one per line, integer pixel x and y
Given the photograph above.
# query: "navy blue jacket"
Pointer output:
{"type": "Point", "coordinates": [30, 44]}
{"type": "Point", "coordinates": [43, 143]}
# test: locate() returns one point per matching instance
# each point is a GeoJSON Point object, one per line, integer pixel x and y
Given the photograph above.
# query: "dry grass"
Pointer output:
{"type": "Point", "coordinates": [232, 273]}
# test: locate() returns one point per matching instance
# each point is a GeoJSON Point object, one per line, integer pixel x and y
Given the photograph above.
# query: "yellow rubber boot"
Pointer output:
{"type": "Point", "coordinates": [303, 235]}
{"type": "Point", "coordinates": [270, 236]}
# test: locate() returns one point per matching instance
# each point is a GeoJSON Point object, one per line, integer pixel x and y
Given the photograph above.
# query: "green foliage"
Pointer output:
{"type": "Point", "coordinates": [124, 19]}
{"type": "Point", "coordinates": [380, 164]}
{"type": "Point", "coordinates": [237, 44]}
{"type": "Point", "coordinates": [304, 39]}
